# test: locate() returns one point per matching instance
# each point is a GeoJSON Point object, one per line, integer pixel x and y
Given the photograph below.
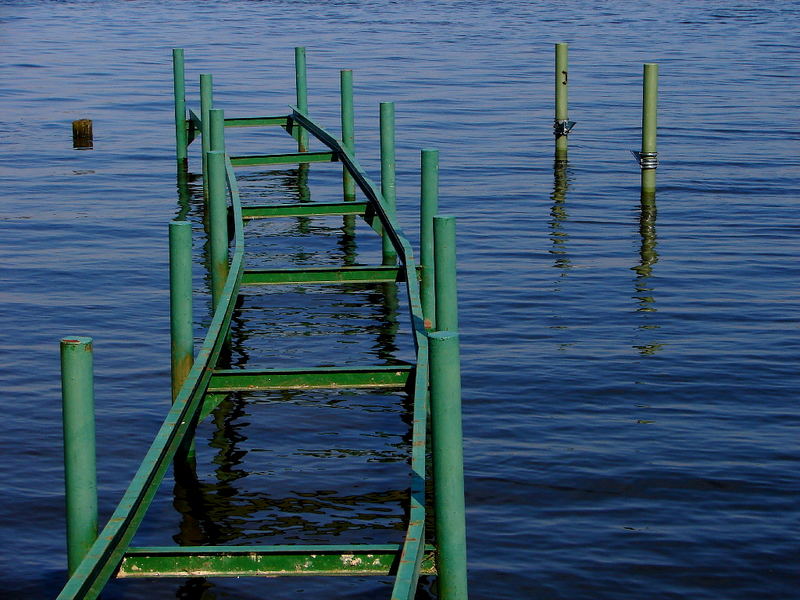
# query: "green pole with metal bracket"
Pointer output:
{"type": "Point", "coordinates": [180, 302]}
{"type": "Point", "coordinates": [301, 87]}
{"type": "Point", "coordinates": [216, 117]}
{"type": "Point", "coordinates": [444, 247]}
{"type": "Point", "coordinates": [649, 156]}
{"type": "Point", "coordinates": [429, 159]}
{"type": "Point", "coordinates": [561, 125]}
{"type": "Point", "coordinates": [348, 130]}
{"type": "Point", "coordinates": [77, 394]}
{"type": "Point", "coordinates": [218, 223]}
{"type": "Point", "coordinates": [179, 87]}
{"type": "Point", "coordinates": [206, 101]}
{"type": "Point", "coordinates": [448, 465]}
{"type": "Point", "coordinates": [388, 190]}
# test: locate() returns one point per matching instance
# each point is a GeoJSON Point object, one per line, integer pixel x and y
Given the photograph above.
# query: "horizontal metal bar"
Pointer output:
{"type": "Point", "coordinates": [299, 210]}
{"type": "Point", "coordinates": [323, 275]}
{"type": "Point", "coordinates": [283, 159]}
{"type": "Point", "coordinates": [257, 121]}
{"type": "Point", "coordinates": [237, 380]}
{"type": "Point", "coordinates": [266, 561]}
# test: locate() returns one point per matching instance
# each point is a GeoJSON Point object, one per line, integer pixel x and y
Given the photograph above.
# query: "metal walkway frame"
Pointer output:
{"type": "Point", "coordinates": [199, 383]}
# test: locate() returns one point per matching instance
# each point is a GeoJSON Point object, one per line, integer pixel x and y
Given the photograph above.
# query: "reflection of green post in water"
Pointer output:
{"type": "Point", "coordinates": [77, 393]}
{"type": "Point", "coordinates": [448, 465]}
{"type": "Point", "coordinates": [348, 130]}
{"type": "Point", "coordinates": [562, 124]}
{"type": "Point", "coordinates": [559, 215]}
{"type": "Point", "coordinates": [649, 157]}
{"type": "Point", "coordinates": [429, 208]}
{"type": "Point", "coordinates": [179, 86]}
{"type": "Point", "coordinates": [302, 95]}
{"type": "Point", "coordinates": [388, 174]}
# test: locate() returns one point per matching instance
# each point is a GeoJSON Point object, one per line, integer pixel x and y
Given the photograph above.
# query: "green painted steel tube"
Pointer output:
{"type": "Point", "coordinates": [206, 100]}
{"type": "Point", "coordinates": [348, 130]}
{"type": "Point", "coordinates": [180, 302]}
{"type": "Point", "coordinates": [77, 393]}
{"type": "Point", "coordinates": [429, 159]}
{"type": "Point", "coordinates": [649, 125]}
{"type": "Point", "coordinates": [388, 189]}
{"type": "Point", "coordinates": [216, 117]}
{"type": "Point", "coordinates": [562, 91]}
{"type": "Point", "coordinates": [444, 267]}
{"type": "Point", "coordinates": [448, 465]}
{"type": "Point", "coordinates": [217, 223]}
{"type": "Point", "coordinates": [301, 87]}
{"type": "Point", "coordinates": [179, 86]}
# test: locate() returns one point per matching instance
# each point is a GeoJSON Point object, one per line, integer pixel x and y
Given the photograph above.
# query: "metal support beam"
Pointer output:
{"type": "Point", "coordinates": [322, 275]}
{"type": "Point", "coordinates": [257, 121]}
{"type": "Point", "coordinates": [266, 561]}
{"type": "Point", "coordinates": [238, 380]}
{"type": "Point", "coordinates": [283, 159]}
{"type": "Point", "coordinates": [266, 211]}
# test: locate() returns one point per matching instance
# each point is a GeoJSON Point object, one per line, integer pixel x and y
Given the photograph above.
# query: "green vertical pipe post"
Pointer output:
{"type": "Point", "coordinates": [388, 175]}
{"type": "Point", "coordinates": [444, 267]}
{"type": "Point", "coordinates": [429, 159]}
{"type": "Point", "coordinates": [77, 393]}
{"type": "Point", "coordinates": [562, 90]}
{"type": "Point", "coordinates": [216, 118]}
{"type": "Point", "coordinates": [180, 302]}
{"type": "Point", "coordinates": [206, 100]}
{"type": "Point", "coordinates": [179, 86]}
{"type": "Point", "coordinates": [348, 130]}
{"type": "Point", "coordinates": [218, 223]}
{"type": "Point", "coordinates": [649, 127]}
{"type": "Point", "coordinates": [448, 465]}
{"type": "Point", "coordinates": [301, 86]}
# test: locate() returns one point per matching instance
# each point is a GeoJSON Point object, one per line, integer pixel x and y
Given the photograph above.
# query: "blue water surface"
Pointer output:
{"type": "Point", "coordinates": [629, 371]}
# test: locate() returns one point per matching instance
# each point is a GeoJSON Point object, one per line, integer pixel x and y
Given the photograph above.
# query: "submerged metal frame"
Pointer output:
{"type": "Point", "coordinates": [111, 554]}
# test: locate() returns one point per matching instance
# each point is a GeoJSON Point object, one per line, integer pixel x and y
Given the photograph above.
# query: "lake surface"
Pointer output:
{"type": "Point", "coordinates": [629, 376]}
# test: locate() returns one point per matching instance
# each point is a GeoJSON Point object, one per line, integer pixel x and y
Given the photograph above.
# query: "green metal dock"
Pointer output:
{"type": "Point", "coordinates": [201, 378]}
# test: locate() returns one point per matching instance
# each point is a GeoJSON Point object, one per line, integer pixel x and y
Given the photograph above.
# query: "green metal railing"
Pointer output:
{"type": "Point", "coordinates": [199, 382]}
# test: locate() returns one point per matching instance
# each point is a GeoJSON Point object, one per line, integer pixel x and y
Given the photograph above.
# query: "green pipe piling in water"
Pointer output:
{"type": "Point", "coordinates": [448, 465]}
{"type": "Point", "coordinates": [180, 302]}
{"type": "Point", "coordinates": [348, 129]}
{"type": "Point", "coordinates": [649, 127]}
{"type": "Point", "coordinates": [429, 206]}
{"type": "Point", "coordinates": [206, 100]}
{"type": "Point", "coordinates": [216, 117]}
{"type": "Point", "coordinates": [444, 267]}
{"type": "Point", "coordinates": [218, 223]}
{"type": "Point", "coordinates": [562, 91]}
{"type": "Point", "coordinates": [179, 87]}
{"type": "Point", "coordinates": [301, 87]}
{"type": "Point", "coordinates": [388, 189]}
{"type": "Point", "coordinates": [77, 394]}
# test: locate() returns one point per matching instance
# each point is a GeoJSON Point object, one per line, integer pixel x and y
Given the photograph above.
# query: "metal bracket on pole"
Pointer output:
{"type": "Point", "coordinates": [562, 127]}
{"type": "Point", "coordinates": [646, 160]}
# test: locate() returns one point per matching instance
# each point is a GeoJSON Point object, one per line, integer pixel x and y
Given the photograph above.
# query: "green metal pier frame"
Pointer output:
{"type": "Point", "coordinates": [199, 383]}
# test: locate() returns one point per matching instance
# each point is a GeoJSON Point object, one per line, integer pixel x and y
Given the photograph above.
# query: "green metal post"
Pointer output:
{"type": "Point", "coordinates": [388, 174]}
{"type": "Point", "coordinates": [216, 118]}
{"type": "Point", "coordinates": [649, 156]}
{"type": "Point", "coordinates": [444, 248]}
{"type": "Point", "coordinates": [562, 90]}
{"type": "Point", "coordinates": [301, 82]}
{"type": "Point", "coordinates": [206, 95]}
{"type": "Point", "coordinates": [348, 130]}
{"type": "Point", "coordinates": [429, 159]}
{"type": "Point", "coordinates": [180, 302]}
{"type": "Point", "coordinates": [448, 465]}
{"type": "Point", "coordinates": [77, 393]}
{"type": "Point", "coordinates": [179, 86]}
{"type": "Point", "coordinates": [218, 223]}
